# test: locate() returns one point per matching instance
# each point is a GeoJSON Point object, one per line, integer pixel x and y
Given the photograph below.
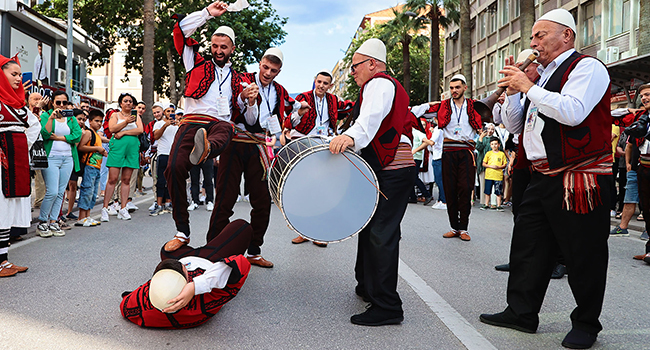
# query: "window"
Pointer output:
{"type": "Point", "coordinates": [491, 72]}
{"type": "Point", "coordinates": [480, 74]}
{"type": "Point", "coordinates": [516, 8]}
{"type": "Point", "coordinates": [504, 11]}
{"type": "Point", "coordinates": [454, 45]}
{"type": "Point", "coordinates": [516, 48]}
{"type": "Point", "coordinates": [592, 22]}
{"type": "Point", "coordinates": [619, 17]}
{"type": "Point", "coordinates": [482, 26]}
{"type": "Point", "coordinates": [492, 19]}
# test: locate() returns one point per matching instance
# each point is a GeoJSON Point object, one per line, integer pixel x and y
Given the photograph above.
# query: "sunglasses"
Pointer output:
{"type": "Point", "coordinates": [60, 103]}
{"type": "Point", "coordinates": [353, 68]}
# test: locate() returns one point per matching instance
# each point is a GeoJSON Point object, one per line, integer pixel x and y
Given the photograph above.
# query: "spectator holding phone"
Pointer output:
{"type": "Point", "coordinates": [125, 125]}
{"type": "Point", "coordinates": [60, 131]}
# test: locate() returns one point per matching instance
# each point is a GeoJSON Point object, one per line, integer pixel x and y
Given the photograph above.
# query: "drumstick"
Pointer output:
{"type": "Point", "coordinates": [364, 175]}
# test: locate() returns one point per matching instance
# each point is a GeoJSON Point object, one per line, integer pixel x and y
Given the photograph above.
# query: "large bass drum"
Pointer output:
{"type": "Point", "coordinates": [324, 197]}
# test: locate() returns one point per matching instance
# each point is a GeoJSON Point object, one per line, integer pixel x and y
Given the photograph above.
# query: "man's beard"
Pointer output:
{"type": "Point", "coordinates": [221, 62]}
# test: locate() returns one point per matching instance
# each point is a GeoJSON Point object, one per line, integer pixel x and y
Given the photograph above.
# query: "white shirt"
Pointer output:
{"type": "Point", "coordinates": [215, 276]}
{"type": "Point", "coordinates": [436, 149]}
{"type": "Point", "coordinates": [322, 118]}
{"type": "Point", "coordinates": [40, 66]}
{"type": "Point", "coordinates": [378, 96]}
{"type": "Point", "coordinates": [221, 87]}
{"type": "Point", "coordinates": [61, 148]}
{"type": "Point", "coordinates": [584, 89]}
{"type": "Point", "coordinates": [269, 101]}
{"type": "Point", "coordinates": [167, 139]}
{"type": "Point", "coordinates": [503, 135]}
{"type": "Point", "coordinates": [459, 128]}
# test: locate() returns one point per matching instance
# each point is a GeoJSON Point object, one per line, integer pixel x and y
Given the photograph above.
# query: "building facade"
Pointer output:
{"type": "Point", "coordinates": [607, 29]}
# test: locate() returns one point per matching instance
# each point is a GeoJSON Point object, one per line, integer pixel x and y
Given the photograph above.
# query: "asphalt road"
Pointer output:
{"type": "Point", "coordinates": [69, 298]}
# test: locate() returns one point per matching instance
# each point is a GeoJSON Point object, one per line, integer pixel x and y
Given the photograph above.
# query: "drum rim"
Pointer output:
{"type": "Point", "coordinates": [291, 165]}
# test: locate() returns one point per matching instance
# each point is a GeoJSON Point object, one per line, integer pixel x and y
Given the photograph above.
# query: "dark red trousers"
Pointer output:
{"type": "Point", "coordinates": [241, 158]}
{"type": "Point", "coordinates": [458, 175]}
{"type": "Point", "coordinates": [233, 240]}
{"type": "Point", "coordinates": [178, 167]}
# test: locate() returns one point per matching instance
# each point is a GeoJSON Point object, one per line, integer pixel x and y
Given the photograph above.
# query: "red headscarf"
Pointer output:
{"type": "Point", "coordinates": [8, 95]}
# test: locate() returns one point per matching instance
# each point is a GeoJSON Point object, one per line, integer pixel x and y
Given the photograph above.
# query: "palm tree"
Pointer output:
{"type": "Point", "coordinates": [441, 13]}
{"type": "Point", "coordinates": [404, 30]}
{"type": "Point", "coordinates": [148, 56]}
{"type": "Point", "coordinates": [527, 20]}
{"type": "Point", "coordinates": [644, 28]}
{"type": "Point", "coordinates": [466, 44]}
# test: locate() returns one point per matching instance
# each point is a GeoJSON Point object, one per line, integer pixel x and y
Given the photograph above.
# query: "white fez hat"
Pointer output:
{"type": "Point", "coordinates": [325, 72]}
{"type": "Point", "coordinates": [165, 285]}
{"type": "Point", "coordinates": [180, 111]}
{"type": "Point", "coordinates": [274, 51]}
{"type": "Point", "coordinates": [524, 55]}
{"type": "Point", "coordinates": [158, 104]}
{"type": "Point", "coordinates": [227, 31]}
{"type": "Point", "coordinates": [459, 77]}
{"type": "Point", "coordinates": [560, 16]}
{"type": "Point", "coordinates": [374, 48]}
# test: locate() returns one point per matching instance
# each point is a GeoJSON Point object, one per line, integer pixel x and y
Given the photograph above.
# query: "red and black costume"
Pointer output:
{"type": "Point", "coordinates": [227, 247]}
{"type": "Point", "coordinates": [336, 110]}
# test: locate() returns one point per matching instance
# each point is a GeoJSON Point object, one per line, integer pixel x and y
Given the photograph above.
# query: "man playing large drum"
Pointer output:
{"type": "Point", "coordinates": [382, 133]}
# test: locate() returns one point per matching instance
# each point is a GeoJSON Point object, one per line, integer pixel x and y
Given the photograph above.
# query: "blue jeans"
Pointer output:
{"type": "Point", "coordinates": [437, 175]}
{"type": "Point", "coordinates": [103, 175]}
{"type": "Point", "coordinates": [56, 178]}
{"type": "Point", "coordinates": [89, 187]}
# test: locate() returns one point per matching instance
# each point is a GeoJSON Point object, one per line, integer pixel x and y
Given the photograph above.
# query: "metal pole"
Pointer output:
{"type": "Point", "coordinates": [69, 59]}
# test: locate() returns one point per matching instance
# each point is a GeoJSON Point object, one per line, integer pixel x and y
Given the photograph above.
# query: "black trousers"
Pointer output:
{"type": "Point", "coordinates": [195, 175]}
{"type": "Point", "coordinates": [458, 174]}
{"type": "Point", "coordinates": [520, 180]}
{"type": "Point", "coordinates": [378, 252]}
{"type": "Point", "coordinates": [423, 189]}
{"type": "Point", "coordinates": [643, 180]}
{"type": "Point", "coordinates": [542, 230]}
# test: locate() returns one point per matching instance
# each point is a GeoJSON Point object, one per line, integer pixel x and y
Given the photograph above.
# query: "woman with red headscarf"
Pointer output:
{"type": "Point", "coordinates": [19, 129]}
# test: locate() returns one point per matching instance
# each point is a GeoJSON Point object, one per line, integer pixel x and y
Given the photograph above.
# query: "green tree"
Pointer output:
{"type": "Point", "coordinates": [419, 68]}
{"type": "Point", "coordinates": [256, 29]}
{"type": "Point", "coordinates": [404, 31]}
{"type": "Point", "coordinates": [104, 21]}
{"type": "Point", "coordinates": [441, 14]}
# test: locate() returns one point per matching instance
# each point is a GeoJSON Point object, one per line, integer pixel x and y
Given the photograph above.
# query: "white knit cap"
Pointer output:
{"type": "Point", "coordinates": [165, 285]}
{"type": "Point", "coordinates": [274, 51]}
{"type": "Point", "coordinates": [560, 16]}
{"type": "Point", "coordinates": [459, 77]}
{"type": "Point", "coordinates": [374, 48]}
{"type": "Point", "coordinates": [227, 31]}
{"type": "Point", "coordinates": [325, 72]}
{"type": "Point", "coordinates": [524, 55]}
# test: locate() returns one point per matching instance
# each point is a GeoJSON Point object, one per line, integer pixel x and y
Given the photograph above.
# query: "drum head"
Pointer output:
{"type": "Point", "coordinates": [326, 198]}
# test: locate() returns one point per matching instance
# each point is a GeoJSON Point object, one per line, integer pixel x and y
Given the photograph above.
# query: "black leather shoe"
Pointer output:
{"type": "Point", "coordinates": [504, 267]}
{"type": "Point", "coordinates": [428, 200]}
{"type": "Point", "coordinates": [506, 319]}
{"type": "Point", "coordinates": [558, 272]}
{"type": "Point", "coordinates": [375, 316]}
{"type": "Point", "coordinates": [579, 339]}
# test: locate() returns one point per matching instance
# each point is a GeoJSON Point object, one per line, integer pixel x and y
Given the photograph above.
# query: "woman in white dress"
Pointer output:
{"type": "Point", "coordinates": [19, 129]}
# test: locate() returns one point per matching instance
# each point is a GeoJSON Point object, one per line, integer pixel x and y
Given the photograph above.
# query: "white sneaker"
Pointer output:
{"type": "Point", "coordinates": [123, 214]}
{"type": "Point", "coordinates": [43, 230]}
{"type": "Point", "coordinates": [104, 215]}
{"type": "Point", "coordinates": [192, 206]}
{"type": "Point", "coordinates": [112, 210]}
{"type": "Point", "coordinates": [209, 206]}
{"type": "Point", "coordinates": [131, 207]}
{"type": "Point", "coordinates": [443, 206]}
{"type": "Point", "coordinates": [83, 222]}
{"type": "Point", "coordinates": [202, 198]}
{"type": "Point", "coordinates": [93, 222]}
{"type": "Point", "coordinates": [153, 206]}
{"type": "Point", "coordinates": [56, 230]}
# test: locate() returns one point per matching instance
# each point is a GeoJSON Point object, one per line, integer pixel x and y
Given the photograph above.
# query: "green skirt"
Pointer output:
{"type": "Point", "coordinates": [124, 152]}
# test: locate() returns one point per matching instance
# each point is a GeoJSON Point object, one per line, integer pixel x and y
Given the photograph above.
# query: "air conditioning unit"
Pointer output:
{"type": "Point", "coordinates": [613, 54]}
{"type": "Point", "coordinates": [89, 86]}
{"type": "Point", "coordinates": [61, 76]}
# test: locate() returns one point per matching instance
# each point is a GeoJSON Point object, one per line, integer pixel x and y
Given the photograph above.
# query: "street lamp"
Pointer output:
{"type": "Point", "coordinates": [414, 15]}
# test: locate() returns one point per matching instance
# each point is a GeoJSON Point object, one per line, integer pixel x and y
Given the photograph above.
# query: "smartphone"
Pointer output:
{"type": "Point", "coordinates": [134, 112]}
{"type": "Point", "coordinates": [67, 113]}
{"type": "Point", "coordinates": [172, 116]}
{"type": "Point", "coordinates": [27, 77]}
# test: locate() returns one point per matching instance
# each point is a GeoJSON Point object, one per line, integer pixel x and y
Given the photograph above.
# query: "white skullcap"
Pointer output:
{"type": "Point", "coordinates": [180, 111]}
{"type": "Point", "coordinates": [325, 72]}
{"type": "Point", "coordinates": [158, 104]}
{"type": "Point", "coordinates": [165, 285]}
{"type": "Point", "coordinates": [560, 16]}
{"type": "Point", "coordinates": [171, 105]}
{"type": "Point", "coordinates": [374, 48]}
{"type": "Point", "coordinates": [524, 55]}
{"type": "Point", "coordinates": [459, 77]}
{"type": "Point", "coordinates": [227, 31]}
{"type": "Point", "coordinates": [274, 51]}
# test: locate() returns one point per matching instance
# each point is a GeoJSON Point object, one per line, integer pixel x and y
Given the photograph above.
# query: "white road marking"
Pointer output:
{"type": "Point", "coordinates": [457, 324]}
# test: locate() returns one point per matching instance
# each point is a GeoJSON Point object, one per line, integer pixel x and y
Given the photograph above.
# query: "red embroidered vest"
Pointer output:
{"type": "Point", "coordinates": [280, 109]}
{"type": "Point", "coordinates": [381, 150]}
{"type": "Point", "coordinates": [565, 144]}
{"type": "Point", "coordinates": [444, 114]}
{"type": "Point", "coordinates": [308, 121]}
